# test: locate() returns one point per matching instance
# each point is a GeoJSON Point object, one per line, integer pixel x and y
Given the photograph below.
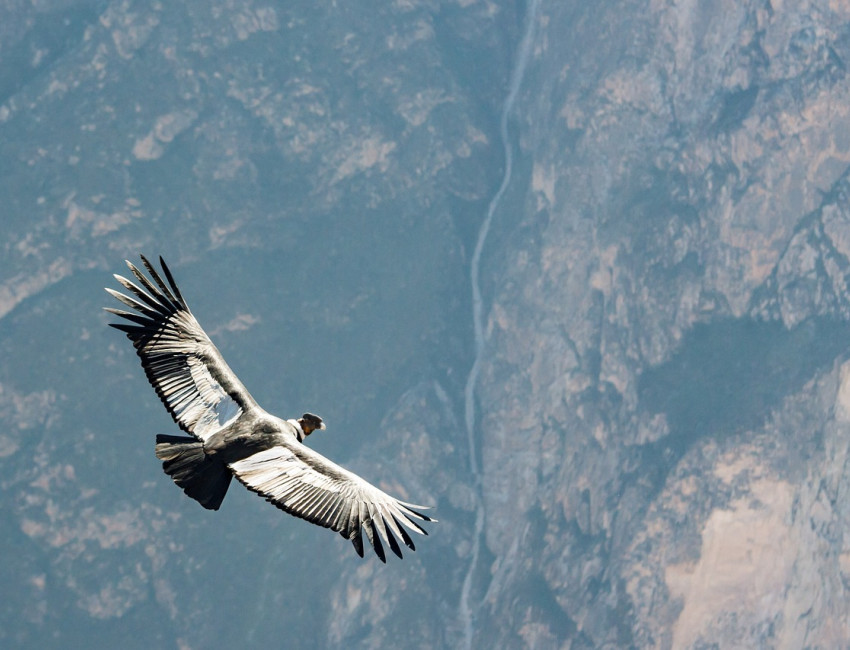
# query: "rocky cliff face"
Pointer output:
{"type": "Point", "coordinates": [659, 452]}
{"type": "Point", "coordinates": [663, 396]}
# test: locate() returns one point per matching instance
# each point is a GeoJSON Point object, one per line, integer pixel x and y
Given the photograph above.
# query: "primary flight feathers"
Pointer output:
{"type": "Point", "coordinates": [232, 436]}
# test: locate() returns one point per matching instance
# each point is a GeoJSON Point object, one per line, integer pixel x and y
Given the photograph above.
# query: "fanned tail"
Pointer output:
{"type": "Point", "coordinates": [202, 478]}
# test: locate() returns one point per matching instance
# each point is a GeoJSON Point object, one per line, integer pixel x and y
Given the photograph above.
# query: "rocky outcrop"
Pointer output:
{"type": "Point", "coordinates": [661, 398]}
{"type": "Point", "coordinates": [662, 406]}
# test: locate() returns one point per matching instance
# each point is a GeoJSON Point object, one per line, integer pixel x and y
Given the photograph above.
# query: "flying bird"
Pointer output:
{"type": "Point", "coordinates": [231, 435]}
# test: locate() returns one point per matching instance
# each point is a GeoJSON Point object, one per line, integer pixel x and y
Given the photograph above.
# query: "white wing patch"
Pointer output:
{"type": "Point", "coordinates": [213, 409]}
{"type": "Point", "coordinates": [279, 476]}
{"type": "Point", "coordinates": [308, 485]}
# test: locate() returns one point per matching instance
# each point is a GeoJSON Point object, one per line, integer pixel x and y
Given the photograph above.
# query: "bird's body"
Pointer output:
{"type": "Point", "coordinates": [233, 436]}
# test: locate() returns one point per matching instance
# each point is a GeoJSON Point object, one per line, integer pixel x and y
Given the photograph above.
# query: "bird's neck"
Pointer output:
{"type": "Point", "coordinates": [299, 432]}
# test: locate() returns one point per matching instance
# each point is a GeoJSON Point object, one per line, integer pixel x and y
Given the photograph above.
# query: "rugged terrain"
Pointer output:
{"type": "Point", "coordinates": [656, 453]}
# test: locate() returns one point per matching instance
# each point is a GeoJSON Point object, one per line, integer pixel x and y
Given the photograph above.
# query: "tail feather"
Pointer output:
{"type": "Point", "coordinates": [204, 479]}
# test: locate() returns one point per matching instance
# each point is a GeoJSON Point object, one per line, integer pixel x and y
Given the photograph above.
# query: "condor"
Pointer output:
{"type": "Point", "coordinates": [231, 435]}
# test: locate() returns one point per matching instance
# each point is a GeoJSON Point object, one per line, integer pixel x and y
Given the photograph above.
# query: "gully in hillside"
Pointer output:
{"type": "Point", "coordinates": [233, 436]}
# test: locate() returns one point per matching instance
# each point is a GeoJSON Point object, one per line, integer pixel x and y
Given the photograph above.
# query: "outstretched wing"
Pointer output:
{"type": "Point", "coordinates": [306, 484]}
{"type": "Point", "coordinates": [185, 369]}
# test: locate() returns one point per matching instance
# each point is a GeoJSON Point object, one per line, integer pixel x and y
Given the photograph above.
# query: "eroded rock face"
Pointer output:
{"type": "Point", "coordinates": [663, 405]}
{"type": "Point", "coordinates": [662, 368]}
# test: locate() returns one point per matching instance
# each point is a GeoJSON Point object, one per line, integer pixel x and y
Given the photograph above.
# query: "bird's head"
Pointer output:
{"type": "Point", "coordinates": [309, 423]}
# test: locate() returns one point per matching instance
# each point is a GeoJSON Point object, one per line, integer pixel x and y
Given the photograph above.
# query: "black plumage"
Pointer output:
{"type": "Point", "coordinates": [231, 435]}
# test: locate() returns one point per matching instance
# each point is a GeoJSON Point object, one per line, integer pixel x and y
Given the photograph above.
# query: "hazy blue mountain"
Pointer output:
{"type": "Point", "coordinates": [574, 273]}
